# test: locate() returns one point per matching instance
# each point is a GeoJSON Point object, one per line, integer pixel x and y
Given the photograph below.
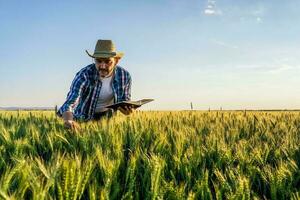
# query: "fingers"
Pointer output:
{"type": "Point", "coordinates": [126, 110]}
{"type": "Point", "coordinates": [129, 109]}
{"type": "Point", "coordinates": [70, 124]}
{"type": "Point", "coordinates": [75, 127]}
{"type": "Point", "coordinates": [122, 110]}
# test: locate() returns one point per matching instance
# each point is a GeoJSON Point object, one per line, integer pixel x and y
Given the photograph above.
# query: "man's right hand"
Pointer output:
{"type": "Point", "coordinates": [70, 124]}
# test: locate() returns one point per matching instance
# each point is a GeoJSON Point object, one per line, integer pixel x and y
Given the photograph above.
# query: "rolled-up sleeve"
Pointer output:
{"type": "Point", "coordinates": [74, 94]}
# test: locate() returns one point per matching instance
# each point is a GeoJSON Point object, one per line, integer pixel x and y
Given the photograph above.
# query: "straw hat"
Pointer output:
{"type": "Point", "coordinates": [105, 49]}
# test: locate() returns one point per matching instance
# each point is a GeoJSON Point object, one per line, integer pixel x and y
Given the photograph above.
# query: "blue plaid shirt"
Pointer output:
{"type": "Point", "coordinates": [85, 89]}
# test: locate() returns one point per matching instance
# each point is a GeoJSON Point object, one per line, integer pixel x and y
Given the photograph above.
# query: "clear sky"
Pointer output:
{"type": "Point", "coordinates": [234, 54]}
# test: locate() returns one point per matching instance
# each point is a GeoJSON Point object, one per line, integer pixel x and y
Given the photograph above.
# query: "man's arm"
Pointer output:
{"type": "Point", "coordinates": [77, 86]}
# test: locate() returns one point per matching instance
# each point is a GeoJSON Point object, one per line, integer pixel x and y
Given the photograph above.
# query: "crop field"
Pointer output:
{"type": "Point", "coordinates": [151, 155]}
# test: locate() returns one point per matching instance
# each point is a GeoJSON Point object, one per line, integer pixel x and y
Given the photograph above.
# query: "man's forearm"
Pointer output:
{"type": "Point", "coordinates": [67, 116]}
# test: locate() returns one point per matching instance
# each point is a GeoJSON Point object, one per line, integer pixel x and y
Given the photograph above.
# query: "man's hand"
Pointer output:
{"type": "Point", "coordinates": [70, 124]}
{"type": "Point", "coordinates": [126, 110]}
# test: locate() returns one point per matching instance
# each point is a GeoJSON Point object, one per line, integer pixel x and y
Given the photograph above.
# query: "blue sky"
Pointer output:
{"type": "Point", "coordinates": [222, 53]}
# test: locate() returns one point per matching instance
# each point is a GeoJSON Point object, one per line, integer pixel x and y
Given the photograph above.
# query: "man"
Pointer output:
{"type": "Point", "coordinates": [96, 86]}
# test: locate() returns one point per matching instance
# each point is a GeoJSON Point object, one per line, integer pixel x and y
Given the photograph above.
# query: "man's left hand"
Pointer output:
{"type": "Point", "coordinates": [126, 110]}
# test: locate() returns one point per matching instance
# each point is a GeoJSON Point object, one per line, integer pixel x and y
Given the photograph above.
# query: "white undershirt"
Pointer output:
{"type": "Point", "coordinates": [106, 96]}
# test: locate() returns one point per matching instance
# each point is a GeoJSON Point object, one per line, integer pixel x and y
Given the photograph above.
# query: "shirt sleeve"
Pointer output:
{"type": "Point", "coordinates": [74, 94]}
{"type": "Point", "coordinates": [127, 89]}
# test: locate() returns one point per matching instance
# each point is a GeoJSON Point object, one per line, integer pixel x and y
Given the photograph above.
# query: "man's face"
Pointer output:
{"type": "Point", "coordinates": [105, 66]}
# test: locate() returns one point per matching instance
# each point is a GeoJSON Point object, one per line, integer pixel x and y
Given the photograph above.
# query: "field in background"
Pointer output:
{"type": "Point", "coordinates": [151, 155]}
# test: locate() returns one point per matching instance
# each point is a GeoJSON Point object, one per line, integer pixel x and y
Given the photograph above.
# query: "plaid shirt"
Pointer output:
{"type": "Point", "coordinates": [85, 89]}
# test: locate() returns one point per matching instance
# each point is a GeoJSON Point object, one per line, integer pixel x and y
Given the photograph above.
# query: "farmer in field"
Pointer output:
{"type": "Point", "coordinates": [96, 86]}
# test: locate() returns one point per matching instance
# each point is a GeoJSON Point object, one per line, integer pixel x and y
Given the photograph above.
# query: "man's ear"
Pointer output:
{"type": "Point", "coordinates": [117, 60]}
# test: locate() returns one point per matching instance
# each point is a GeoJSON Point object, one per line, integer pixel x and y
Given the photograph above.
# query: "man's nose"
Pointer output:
{"type": "Point", "coordinates": [102, 65]}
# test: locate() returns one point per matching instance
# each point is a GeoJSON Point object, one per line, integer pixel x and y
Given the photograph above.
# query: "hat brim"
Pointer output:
{"type": "Point", "coordinates": [106, 55]}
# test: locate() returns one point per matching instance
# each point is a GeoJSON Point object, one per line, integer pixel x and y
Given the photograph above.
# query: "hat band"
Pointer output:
{"type": "Point", "coordinates": [105, 52]}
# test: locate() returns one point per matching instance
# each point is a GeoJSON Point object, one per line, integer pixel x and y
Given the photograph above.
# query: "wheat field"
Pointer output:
{"type": "Point", "coordinates": [151, 155]}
